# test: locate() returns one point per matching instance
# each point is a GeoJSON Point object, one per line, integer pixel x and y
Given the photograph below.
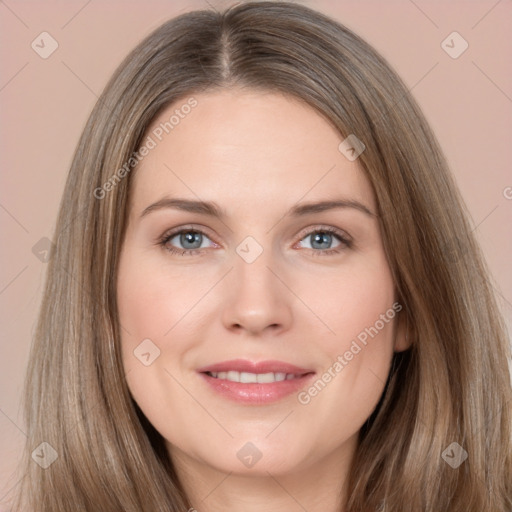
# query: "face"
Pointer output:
{"type": "Point", "coordinates": [253, 320]}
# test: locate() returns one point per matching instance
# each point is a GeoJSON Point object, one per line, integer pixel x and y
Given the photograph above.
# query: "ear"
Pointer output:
{"type": "Point", "coordinates": [403, 337]}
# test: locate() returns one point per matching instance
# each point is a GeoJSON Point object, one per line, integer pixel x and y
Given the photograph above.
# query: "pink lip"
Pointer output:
{"type": "Point", "coordinates": [243, 365]}
{"type": "Point", "coordinates": [256, 393]}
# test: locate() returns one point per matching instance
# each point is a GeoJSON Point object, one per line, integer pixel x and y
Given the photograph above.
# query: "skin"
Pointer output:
{"type": "Point", "coordinates": [256, 155]}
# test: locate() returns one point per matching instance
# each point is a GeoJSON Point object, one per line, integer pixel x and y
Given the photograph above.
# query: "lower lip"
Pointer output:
{"type": "Point", "coordinates": [255, 393]}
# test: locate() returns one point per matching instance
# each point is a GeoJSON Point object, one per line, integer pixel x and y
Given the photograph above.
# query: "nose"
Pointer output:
{"type": "Point", "coordinates": [258, 299]}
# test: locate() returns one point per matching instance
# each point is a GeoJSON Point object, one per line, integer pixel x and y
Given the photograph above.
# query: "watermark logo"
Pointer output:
{"type": "Point", "coordinates": [44, 455]}
{"type": "Point", "coordinates": [146, 352]}
{"type": "Point", "coordinates": [351, 147]}
{"type": "Point", "coordinates": [43, 249]}
{"type": "Point", "coordinates": [249, 454]}
{"type": "Point", "coordinates": [249, 249]}
{"type": "Point", "coordinates": [44, 45]}
{"type": "Point", "coordinates": [454, 45]}
{"type": "Point", "coordinates": [454, 455]}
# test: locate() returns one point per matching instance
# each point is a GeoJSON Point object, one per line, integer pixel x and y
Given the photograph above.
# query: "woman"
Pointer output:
{"type": "Point", "coordinates": [262, 369]}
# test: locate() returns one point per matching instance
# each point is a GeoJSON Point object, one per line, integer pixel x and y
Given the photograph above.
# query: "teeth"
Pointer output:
{"type": "Point", "coordinates": [245, 378]}
{"type": "Point", "coordinates": [252, 378]}
{"type": "Point", "coordinates": [232, 375]}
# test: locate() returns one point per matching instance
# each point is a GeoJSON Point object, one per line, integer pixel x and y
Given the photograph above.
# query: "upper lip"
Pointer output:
{"type": "Point", "coordinates": [243, 365]}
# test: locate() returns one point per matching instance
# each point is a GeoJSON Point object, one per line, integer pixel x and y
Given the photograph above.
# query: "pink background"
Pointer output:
{"type": "Point", "coordinates": [45, 104]}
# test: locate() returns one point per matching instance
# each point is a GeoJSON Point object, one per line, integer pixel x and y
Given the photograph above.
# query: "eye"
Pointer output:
{"type": "Point", "coordinates": [191, 241]}
{"type": "Point", "coordinates": [321, 240]}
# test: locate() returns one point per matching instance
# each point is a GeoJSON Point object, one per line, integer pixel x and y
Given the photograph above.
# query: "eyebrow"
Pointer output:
{"type": "Point", "coordinates": [212, 209]}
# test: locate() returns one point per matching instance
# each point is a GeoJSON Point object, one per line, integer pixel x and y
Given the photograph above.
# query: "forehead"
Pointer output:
{"type": "Point", "coordinates": [246, 148]}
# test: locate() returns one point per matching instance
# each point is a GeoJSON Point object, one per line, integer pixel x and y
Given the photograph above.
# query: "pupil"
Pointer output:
{"type": "Point", "coordinates": [322, 239]}
{"type": "Point", "coordinates": [189, 238]}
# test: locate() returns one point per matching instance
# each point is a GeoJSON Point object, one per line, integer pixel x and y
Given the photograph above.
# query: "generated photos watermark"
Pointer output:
{"type": "Point", "coordinates": [342, 360]}
{"type": "Point", "coordinates": [151, 142]}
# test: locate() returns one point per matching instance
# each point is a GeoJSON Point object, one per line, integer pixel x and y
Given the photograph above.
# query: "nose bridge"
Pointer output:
{"type": "Point", "coordinates": [252, 266]}
{"type": "Point", "coordinates": [257, 297]}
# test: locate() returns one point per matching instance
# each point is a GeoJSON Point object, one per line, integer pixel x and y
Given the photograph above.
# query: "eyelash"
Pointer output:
{"type": "Point", "coordinates": [166, 237]}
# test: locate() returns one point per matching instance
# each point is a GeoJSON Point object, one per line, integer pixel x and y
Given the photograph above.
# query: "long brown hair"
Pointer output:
{"type": "Point", "coordinates": [451, 386]}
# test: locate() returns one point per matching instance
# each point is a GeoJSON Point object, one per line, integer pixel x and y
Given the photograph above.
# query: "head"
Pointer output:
{"type": "Point", "coordinates": [282, 77]}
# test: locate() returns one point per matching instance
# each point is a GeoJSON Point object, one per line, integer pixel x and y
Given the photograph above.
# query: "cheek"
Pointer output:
{"type": "Point", "coordinates": [152, 300]}
{"type": "Point", "coordinates": [350, 302]}
{"type": "Point", "coordinates": [360, 311]}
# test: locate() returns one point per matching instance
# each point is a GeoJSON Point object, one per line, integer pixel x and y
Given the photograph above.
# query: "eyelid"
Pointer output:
{"type": "Point", "coordinates": [327, 228]}
{"type": "Point", "coordinates": [185, 227]}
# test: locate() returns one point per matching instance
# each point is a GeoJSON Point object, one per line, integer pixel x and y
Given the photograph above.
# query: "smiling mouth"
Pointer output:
{"type": "Point", "coordinates": [257, 387]}
{"type": "Point", "coordinates": [254, 378]}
